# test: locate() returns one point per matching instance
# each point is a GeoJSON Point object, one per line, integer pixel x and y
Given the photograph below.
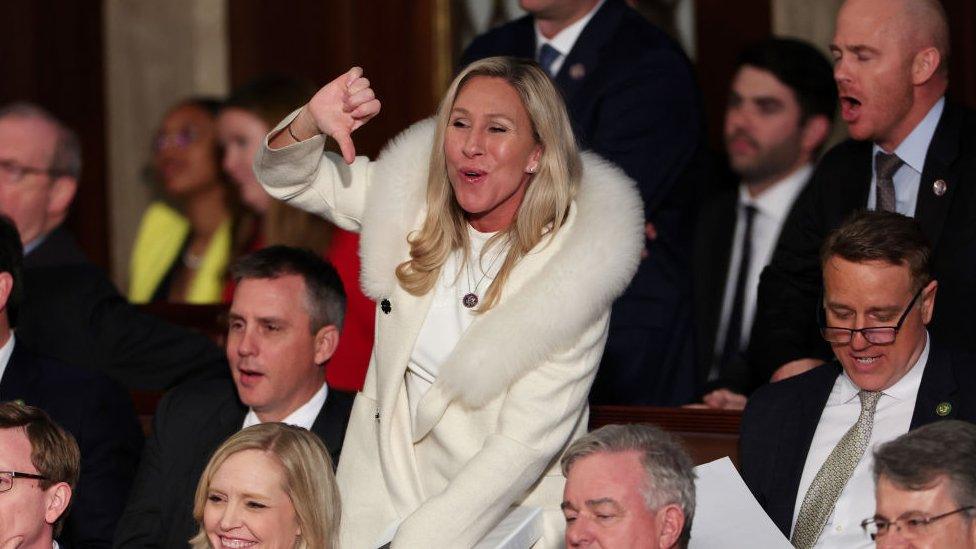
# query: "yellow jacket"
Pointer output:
{"type": "Point", "coordinates": [159, 241]}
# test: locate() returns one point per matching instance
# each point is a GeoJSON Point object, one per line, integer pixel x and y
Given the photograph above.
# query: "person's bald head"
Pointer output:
{"type": "Point", "coordinates": [891, 65]}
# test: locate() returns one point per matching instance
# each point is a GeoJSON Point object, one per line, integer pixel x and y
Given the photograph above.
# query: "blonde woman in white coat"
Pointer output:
{"type": "Point", "coordinates": [493, 250]}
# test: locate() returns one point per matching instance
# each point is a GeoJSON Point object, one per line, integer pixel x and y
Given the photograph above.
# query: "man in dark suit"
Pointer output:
{"type": "Point", "coordinates": [805, 445]}
{"type": "Point", "coordinates": [779, 114]}
{"type": "Point", "coordinates": [72, 310]}
{"type": "Point", "coordinates": [892, 77]}
{"type": "Point", "coordinates": [88, 405]}
{"type": "Point", "coordinates": [284, 326]}
{"type": "Point", "coordinates": [632, 98]}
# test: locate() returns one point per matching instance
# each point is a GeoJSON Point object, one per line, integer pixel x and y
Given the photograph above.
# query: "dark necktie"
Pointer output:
{"type": "Point", "coordinates": [548, 56]}
{"type": "Point", "coordinates": [731, 360]}
{"type": "Point", "coordinates": [885, 166]}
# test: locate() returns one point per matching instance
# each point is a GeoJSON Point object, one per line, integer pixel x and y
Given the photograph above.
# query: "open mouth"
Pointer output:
{"type": "Point", "coordinates": [249, 377]}
{"type": "Point", "coordinates": [866, 361]}
{"type": "Point", "coordinates": [470, 175]}
{"type": "Point", "coordinates": [234, 543]}
{"type": "Point", "coordinates": [850, 107]}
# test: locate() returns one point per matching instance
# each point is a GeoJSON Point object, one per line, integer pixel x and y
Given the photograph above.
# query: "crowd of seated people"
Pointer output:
{"type": "Point", "coordinates": [413, 341]}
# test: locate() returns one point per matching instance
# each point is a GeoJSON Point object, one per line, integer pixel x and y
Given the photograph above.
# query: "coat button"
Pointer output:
{"type": "Point", "coordinates": [385, 306]}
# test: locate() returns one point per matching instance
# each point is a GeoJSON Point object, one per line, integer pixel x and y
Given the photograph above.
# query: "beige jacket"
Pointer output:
{"type": "Point", "coordinates": [488, 434]}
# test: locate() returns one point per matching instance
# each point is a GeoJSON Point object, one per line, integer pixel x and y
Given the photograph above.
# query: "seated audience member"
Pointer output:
{"type": "Point", "coordinates": [246, 117]}
{"type": "Point", "coordinates": [39, 465]}
{"type": "Point", "coordinates": [926, 488]}
{"type": "Point", "coordinates": [805, 441]}
{"type": "Point", "coordinates": [778, 116]}
{"type": "Point", "coordinates": [913, 151]}
{"type": "Point", "coordinates": [284, 327]}
{"type": "Point", "coordinates": [628, 486]}
{"type": "Point", "coordinates": [71, 310]}
{"type": "Point", "coordinates": [183, 245]}
{"type": "Point", "coordinates": [296, 486]}
{"type": "Point", "coordinates": [88, 405]}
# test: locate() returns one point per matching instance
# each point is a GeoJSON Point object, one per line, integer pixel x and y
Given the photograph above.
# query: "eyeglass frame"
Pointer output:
{"type": "Point", "coordinates": [17, 474]}
{"type": "Point", "coordinates": [20, 171]}
{"type": "Point", "coordinates": [870, 329]}
{"type": "Point", "coordinates": [923, 522]}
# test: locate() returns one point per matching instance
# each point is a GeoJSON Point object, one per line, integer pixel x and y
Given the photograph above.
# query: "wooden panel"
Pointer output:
{"type": "Point", "coordinates": [51, 54]}
{"type": "Point", "coordinates": [393, 41]}
{"type": "Point", "coordinates": [708, 434]}
{"type": "Point", "coordinates": [723, 29]}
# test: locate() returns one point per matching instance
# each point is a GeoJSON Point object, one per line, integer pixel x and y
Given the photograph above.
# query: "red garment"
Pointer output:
{"type": "Point", "coordinates": [346, 369]}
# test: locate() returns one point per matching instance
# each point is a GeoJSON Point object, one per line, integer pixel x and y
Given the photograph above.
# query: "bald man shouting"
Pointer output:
{"type": "Point", "coordinates": [911, 152]}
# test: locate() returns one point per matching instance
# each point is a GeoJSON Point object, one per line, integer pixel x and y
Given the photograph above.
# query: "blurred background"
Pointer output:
{"type": "Point", "coordinates": [111, 68]}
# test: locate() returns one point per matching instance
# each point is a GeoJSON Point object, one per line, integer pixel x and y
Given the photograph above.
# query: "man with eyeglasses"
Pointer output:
{"type": "Point", "coordinates": [926, 489]}
{"type": "Point", "coordinates": [72, 310]}
{"type": "Point", "coordinates": [39, 464]}
{"type": "Point", "coordinates": [805, 446]}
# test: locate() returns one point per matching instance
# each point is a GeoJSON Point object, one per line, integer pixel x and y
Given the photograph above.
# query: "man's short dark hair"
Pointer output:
{"type": "Point", "coordinates": [54, 452]}
{"type": "Point", "coordinates": [917, 459]}
{"type": "Point", "coordinates": [325, 298]}
{"type": "Point", "coordinates": [800, 67]}
{"type": "Point", "coordinates": [881, 236]}
{"type": "Point", "coordinates": [66, 160]}
{"type": "Point", "coordinates": [12, 261]}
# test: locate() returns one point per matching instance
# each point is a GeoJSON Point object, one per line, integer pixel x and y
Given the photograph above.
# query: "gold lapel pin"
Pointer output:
{"type": "Point", "coordinates": [577, 71]}
{"type": "Point", "coordinates": [939, 187]}
{"type": "Point", "coordinates": [943, 409]}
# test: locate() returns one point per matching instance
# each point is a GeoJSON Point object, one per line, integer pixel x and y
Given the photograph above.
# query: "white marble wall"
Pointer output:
{"type": "Point", "coordinates": [157, 52]}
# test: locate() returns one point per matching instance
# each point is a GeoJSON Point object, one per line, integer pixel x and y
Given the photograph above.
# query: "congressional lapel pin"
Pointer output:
{"type": "Point", "coordinates": [939, 187]}
{"type": "Point", "coordinates": [385, 306]}
{"type": "Point", "coordinates": [943, 409]}
{"type": "Point", "coordinates": [577, 71]}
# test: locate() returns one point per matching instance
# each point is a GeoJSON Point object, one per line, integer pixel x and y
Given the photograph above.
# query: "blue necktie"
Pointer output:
{"type": "Point", "coordinates": [548, 56]}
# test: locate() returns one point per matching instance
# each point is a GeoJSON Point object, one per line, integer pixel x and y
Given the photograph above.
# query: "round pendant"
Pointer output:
{"type": "Point", "coordinates": [469, 300]}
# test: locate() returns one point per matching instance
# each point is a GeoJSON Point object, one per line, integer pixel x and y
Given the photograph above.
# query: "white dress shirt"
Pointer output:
{"type": "Point", "coordinates": [304, 416]}
{"type": "Point", "coordinates": [772, 207]}
{"type": "Point", "coordinates": [892, 418]}
{"type": "Point", "coordinates": [912, 151]}
{"type": "Point", "coordinates": [5, 352]}
{"type": "Point", "coordinates": [564, 40]}
{"type": "Point", "coordinates": [448, 318]}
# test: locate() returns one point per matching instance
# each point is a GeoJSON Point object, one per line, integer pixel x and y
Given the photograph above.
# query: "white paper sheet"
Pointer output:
{"type": "Point", "coordinates": [726, 513]}
{"type": "Point", "coordinates": [520, 528]}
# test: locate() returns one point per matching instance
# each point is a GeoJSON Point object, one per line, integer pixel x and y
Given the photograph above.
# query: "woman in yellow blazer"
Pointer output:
{"type": "Point", "coordinates": [494, 251]}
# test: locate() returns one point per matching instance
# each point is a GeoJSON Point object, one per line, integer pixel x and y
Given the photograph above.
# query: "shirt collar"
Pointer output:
{"type": "Point", "coordinates": [566, 38]}
{"type": "Point", "coordinates": [33, 244]}
{"type": "Point", "coordinates": [5, 352]}
{"type": "Point", "coordinates": [912, 149]}
{"type": "Point", "coordinates": [904, 389]}
{"type": "Point", "coordinates": [304, 416]}
{"type": "Point", "coordinates": [777, 200]}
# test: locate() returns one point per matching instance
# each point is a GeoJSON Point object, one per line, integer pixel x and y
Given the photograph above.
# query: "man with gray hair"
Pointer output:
{"type": "Point", "coordinates": [925, 488]}
{"type": "Point", "coordinates": [628, 486]}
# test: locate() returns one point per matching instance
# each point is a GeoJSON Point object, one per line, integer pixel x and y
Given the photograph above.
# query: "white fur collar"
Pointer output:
{"type": "Point", "coordinates": [594, 264]}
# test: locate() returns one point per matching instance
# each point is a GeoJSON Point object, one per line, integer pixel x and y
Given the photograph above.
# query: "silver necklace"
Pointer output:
{"type": "Point", "coordinates": [470, 299]}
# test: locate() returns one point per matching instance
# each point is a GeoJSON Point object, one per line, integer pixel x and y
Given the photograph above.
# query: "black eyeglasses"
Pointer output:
{"type": "Point", "coordinates": [7, 479]}
{"type": "Point", "coordinates": [876, 335]}
{"type": "Point", "coordinates": [909, 527]}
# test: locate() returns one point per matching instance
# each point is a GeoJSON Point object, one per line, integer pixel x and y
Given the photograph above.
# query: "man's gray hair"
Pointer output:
{"type": "Point", "coordinates": [66, 160]}
{"type": "Point", "coordinates": [919, 458]}
{"type": "Point", "coordinates": [669, 473]}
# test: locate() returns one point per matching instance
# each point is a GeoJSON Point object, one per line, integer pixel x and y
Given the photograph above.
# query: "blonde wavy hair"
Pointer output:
{"type": "Point", "coordinates": [548, 196]}
{"type": "Point", "coordinates": [309, 481]}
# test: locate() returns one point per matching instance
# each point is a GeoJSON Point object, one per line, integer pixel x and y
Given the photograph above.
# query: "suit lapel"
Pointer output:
{"type": "Point", "coordinates": [20, 379]}
{"type": "Point", "coordinates": [931, 209]}
{"type": "Point", "coordinates": [937, 389]}
{"type": "Point", "coordinates": [718, 233]}
{"type": "Point", "coordinates": [330, 424]}
{"type": "Point", "coordinates": [583, 59]}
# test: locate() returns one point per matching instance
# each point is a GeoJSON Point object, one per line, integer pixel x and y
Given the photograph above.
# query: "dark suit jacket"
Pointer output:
{"type": "Point", "coordinates": [637, 105]}
{"type": "Point", "coordinates": [73, 312]}
{"type": "Point", "coordinates": [190, 423]}
{"type": "Point", "coordinates": [786, 322]}
{"type": "Point", "coordinates": [781, 418]}
{"type": "Point", "coordinates": [99, 414]}
{"type": "Point", "coordinates": [714, 236]}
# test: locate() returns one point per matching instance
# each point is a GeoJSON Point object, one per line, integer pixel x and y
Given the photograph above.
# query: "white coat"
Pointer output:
{"type": "Point", "coordinates": [513, 394]}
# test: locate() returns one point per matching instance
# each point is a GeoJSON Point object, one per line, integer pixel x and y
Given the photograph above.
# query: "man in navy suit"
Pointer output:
{"type": "Point", "coordinates": [632, 98]}
{"type": "Point", "coordinates": [94, 409]}
{"type": "Point", "coordinates": [805, 445]}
